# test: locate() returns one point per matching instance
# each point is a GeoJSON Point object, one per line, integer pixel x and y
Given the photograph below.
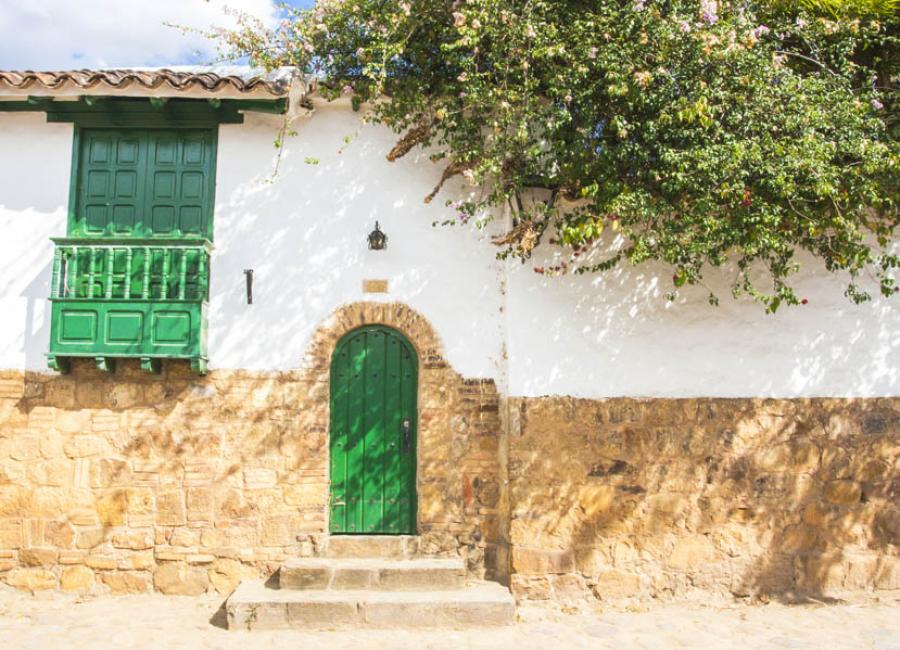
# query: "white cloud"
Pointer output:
{"type": "Point", "coordinates": [64, 34]}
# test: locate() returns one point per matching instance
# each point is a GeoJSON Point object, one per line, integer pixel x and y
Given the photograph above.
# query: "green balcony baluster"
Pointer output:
{"type": "Point", "coordinates": [74, 270]}
{"type": "Point", "coordinates": [127, 289]}
{"type": "Point", "coordinates": [182, 274]}
{"type": "Point", "coordinates": [110, 259]}
{"type": "Point", "coordinates": [164, 289]}
{"type": "Point", "coordinates": [202, 280]}
{"type": "Point", "coordinates": [57, 271]}
{"type": "Point", "coordinates": [93, 257]}
{"type": "Point", "coordinates": [145, 286]}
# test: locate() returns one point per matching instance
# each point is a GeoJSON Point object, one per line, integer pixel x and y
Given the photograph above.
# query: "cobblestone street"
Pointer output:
{"type": "Point", "coordinates": [52, 621]}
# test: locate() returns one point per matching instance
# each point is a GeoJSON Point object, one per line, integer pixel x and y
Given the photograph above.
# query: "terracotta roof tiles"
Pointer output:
{"type": "Point", "coordinates": [205, 79]}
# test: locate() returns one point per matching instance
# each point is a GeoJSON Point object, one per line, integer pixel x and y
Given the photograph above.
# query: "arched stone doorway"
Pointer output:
{"type": "Point", "coordinates": [373, 424]}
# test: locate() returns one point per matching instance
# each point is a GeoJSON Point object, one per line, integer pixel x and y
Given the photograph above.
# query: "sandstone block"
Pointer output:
{"type": "Point", "coordinates": [815, 514]}
{"type": "Point", "coordinates": [170, 510]}
{"type": "Point", "coordinates": [180, 580]}
{"type": "Point", "coordinates": [84, 516]}
{"type": "Point", "coordinates": [72, 556]}
{"type": "Point", "coordinates": [538, 561]}
{"type": "Point", "coordinates": [7, 560]}
{"type": "Point", "coordinates": [596, 499]}
{"type": "Point", "coordinates": [122, 582]}
{"type": "Point", "coordinates": [54, 502]}
{"type": "Point", "coordinates": [13, 500]}
{"type": "Point", "coordinates": [76, 578]}
{"type": "Point", "coordinates": [101, 562]}
{"type": "Point", "coordinates": [140, 501]}
{"type": "Point", "coordinates": [568, 587]}
{"type": "Point", "coordinates": [226, 574]}
{"type": "Point", "coordinates": [56, 473]}
{"type": "Point", "coordinates": [799, 539]}
{"type": "Point", "coordinates": [887, 575]}
{"type": "Point", "coordinates": [122, 395]}
{"type": "Point", "coordinates": [23, 447]}
{"type": "Point", "coordinates": [184, 537]}
{"type": "Point", "coordinates": [83, 446]}
{"type": "Point", "coordinates": [31, 579]}
{"type": "Point", "coordinates": [530, 587]}
{"type": "Point", "coordinates": [260, 477]}
{"type": "Point", "coordinates": [278, 530]}
{"type": "Point", "coordinates": [138, 561]}
{"type": "Point", "coordinates": [11, 533]}
{"type": "Point", "coordinates": [305, 494]}
{"type": "Point", "coordinates": [87, 538]}
{"type": "Point", "coordinates": [111, 506]}
{"type": "Point", "coordinates": [691, 553]}
{"type": "Point", "coordinates": [109, 472]}
{"type": "Point", "coordinates": [614, 584]}
{"type": "Point", "coordinates": [135, 540]}
{"type": "Point", "coordinates": [843, 492]}
{"type": "Point", "coordinates": [199, 501]}
{"type": "Point", "coordinates": [43, 557]}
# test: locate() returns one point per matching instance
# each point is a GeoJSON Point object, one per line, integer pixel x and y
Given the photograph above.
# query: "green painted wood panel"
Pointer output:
{"type": "Point", "coordinates": [374, 378]}
{"type": "Point", "coordinates": [143, 183]}
{"type": "Point", "coordinates": [136, 328]}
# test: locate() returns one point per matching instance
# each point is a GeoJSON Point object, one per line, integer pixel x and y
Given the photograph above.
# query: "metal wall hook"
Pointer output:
{"type": "Point", "coordinates": [248, 276]}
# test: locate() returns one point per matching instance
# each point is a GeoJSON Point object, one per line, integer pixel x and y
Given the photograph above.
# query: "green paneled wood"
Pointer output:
{"type": "Point", "coordinates": [373, 474]}
{"type": "Point", "coordinates": [121, 298]}
{"type": "Point", "coordinates": [119, 328]}
{"type": "Point", "coordinates": [143, 183]}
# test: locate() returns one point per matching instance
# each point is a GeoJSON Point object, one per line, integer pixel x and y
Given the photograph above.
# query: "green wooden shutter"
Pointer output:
{"type": "Point", "coordinates": [144, 183]}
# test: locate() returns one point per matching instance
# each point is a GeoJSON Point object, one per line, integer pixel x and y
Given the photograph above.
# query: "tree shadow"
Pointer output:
{"type": "Point", "coordinates": [794, 500]}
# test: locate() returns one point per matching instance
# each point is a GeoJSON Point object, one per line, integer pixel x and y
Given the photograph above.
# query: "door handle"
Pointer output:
{"type": "Point", "coordinates": [407, 438]}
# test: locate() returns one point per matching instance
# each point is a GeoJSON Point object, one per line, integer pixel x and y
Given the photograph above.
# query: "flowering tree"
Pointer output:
{"type": "Point", "coordinates": [700, 133]}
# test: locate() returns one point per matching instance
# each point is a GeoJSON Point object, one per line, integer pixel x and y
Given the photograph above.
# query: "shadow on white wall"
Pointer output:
{"type": "Point", "coordinates": [304, 234]}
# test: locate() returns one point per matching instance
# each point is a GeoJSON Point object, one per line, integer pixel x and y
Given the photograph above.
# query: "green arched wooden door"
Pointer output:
{"type": "Point", "coordinates": [372, 433]}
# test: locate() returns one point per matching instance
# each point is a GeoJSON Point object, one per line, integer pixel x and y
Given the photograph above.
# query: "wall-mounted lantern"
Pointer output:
{"type": "Point", "coordinates": [377, 239]}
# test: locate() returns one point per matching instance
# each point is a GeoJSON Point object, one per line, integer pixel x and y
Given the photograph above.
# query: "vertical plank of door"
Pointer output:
{"type": "Point", "coordinates": [372, 472]}
{"type": "Point", "coordinates": [407, 464]}
{"type": "Point", "coordinates": [356, 432]}
{"type": "Point", "coordinates": [393, 437]}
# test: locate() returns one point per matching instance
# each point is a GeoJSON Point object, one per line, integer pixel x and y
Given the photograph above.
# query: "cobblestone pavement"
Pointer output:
{"type": "Point", "coordinates": [52, 621]}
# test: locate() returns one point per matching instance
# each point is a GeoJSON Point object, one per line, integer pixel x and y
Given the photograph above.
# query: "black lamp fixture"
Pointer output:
{"type": "Point", "coordinates": [377, 239]}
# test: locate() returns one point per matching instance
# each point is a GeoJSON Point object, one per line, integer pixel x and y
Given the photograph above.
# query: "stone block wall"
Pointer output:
{"type": "Point", "coordinates": [127, 481]}
{"type": "Point", "coordinates": [625, 498]}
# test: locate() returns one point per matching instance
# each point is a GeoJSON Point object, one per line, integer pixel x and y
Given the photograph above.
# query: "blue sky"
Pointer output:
{"type": "Point", "coordinates": [66, 34]}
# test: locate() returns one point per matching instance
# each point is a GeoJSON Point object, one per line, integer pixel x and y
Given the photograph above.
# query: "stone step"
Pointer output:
{"type": "Point", "coordinates": [373, 573]}
{"type": "Point", "coordinates": [359, 546]}
{"type": "Point", "coordinates": [253, 606]}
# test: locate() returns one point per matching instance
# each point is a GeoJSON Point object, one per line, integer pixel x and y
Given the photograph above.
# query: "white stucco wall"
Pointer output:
{"type": "Point", "coordinates": [35, 162]}
{"type": "Point", "coordinates": [303, 232]}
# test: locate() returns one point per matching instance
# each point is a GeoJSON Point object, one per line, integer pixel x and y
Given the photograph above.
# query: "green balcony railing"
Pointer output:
{"type": "Point", "coordinates": [144, 298]}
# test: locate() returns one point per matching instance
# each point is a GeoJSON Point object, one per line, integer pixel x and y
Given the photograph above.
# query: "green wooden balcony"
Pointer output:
{"type": "Point", "coordinates": [134, 298]}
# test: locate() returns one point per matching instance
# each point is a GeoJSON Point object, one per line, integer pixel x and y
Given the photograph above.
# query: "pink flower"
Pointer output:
{"type": "Point", "coordinates": [592, 53]}
{"type": "Point", "coordinates": [347, 89]}
{"type": "Point", "coordinates": [684, 26]}
{"type": "Point", "coordinates": [877, 105]}
{"type": "Point", "coordinates": [709, 11]}
{"type": "Point", "coordinates": [639, 5]}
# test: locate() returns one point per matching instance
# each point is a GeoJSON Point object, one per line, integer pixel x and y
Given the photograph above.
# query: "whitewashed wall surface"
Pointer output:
{"type": "Point", "coordinates": [303, 232]}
